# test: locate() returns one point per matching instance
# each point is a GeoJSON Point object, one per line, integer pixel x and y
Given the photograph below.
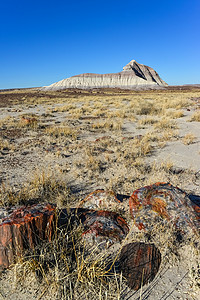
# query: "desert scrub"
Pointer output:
{"type": "Point", "coordinates": [112, 125]}
{"type": "Point", "coordinates": [8, 122]}
{"type": "Point", "coordinates": [64, 108]}
{"type": "Point", "coordinates": [174, 114]}
{"type": "Point", "coordinates": [116, 114]}
{"type": "Point", "coordinates": [133, 149]}
{"type": "Point", "coordinates": [60, 131]}
{"type": "Point", "coordinates": [147, 121]}
{"type": "Point", "coordinates": [28, 121]}
{"type": "Point", "coordinates": [195, 117]}
{"type": "Point", "coordinates": [168, 135]}
{"type": "Point", "coordinates": [6, 145]}
{"type": "Point", "coordinates": [176, 101]}
{"type": "Point", "coordinates": [44, 186]}
{"type": "Point", "coordinates": [165, 123]}
{"type": "Point", "coordinates": [146, 108]}
{"type": "Point", "coordinates": [188, 139]}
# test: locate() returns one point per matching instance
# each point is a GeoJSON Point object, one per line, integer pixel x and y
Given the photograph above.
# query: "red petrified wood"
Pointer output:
{"type": "Point", "coordinates": [165, 202]}
{"type": "Point", "coordinates": [103, 227]}
{"type": "Point", "coordinates": [139, 263]}
{"type": "Point", "coordinates": [24, 228]}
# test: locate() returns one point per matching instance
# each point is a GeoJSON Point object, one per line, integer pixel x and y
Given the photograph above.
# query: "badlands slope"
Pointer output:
{"type": "Point", "coordinates": [134, 75]}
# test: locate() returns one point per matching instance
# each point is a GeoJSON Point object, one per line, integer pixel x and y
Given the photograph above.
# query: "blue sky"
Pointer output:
{"type": "Point", "coordinates": [42, 42]}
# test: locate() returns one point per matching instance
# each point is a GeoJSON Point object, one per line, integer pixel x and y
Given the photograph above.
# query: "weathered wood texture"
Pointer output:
{"type": "Point", "coordinates": [23, 229]}
{"type": "Point", "coordinates": [139, 263]}
{"type": "Point", "coordinates": [104, 227]}
{"type": "Point", "coordinates": [165, 203]}
{"type": "Point", "coordinates": [100, 199]}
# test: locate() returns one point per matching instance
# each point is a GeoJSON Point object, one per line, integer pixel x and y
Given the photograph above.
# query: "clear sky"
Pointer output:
{"type": "Point", "coordinates": [42, 42]}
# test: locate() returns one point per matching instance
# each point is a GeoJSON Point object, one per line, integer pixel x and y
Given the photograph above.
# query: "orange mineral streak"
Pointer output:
{"type": "Point", "coordinates": [104, 224]}
{"type": "Point", "coordinates": [134, 202]}
{"type": "Point", "coordinates": [196, 208]}
{"type": "Point", "coordinates": [169, 202]}
{"type": "Point", "coordinates": [27, 120]}
{"type": "Point", "coordinates": [160, 183]}
{"type": "Point", "coordinates": [159, 206]}
{"type": "Point", "coordinates": [23, 229]}
{"type": "Point", "coordinates": [140, 226]}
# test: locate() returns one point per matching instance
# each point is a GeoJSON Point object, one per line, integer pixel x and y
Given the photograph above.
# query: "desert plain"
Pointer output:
{"type": "Point", "coordinates": [59, 146]}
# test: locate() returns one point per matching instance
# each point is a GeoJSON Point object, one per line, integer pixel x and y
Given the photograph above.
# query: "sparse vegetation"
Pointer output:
{"type": "Point", "coordinates": [195, 117]}
{"type": "Point", "coordinates": [189, 138]}
{"type": "Point", "coordinates": [81, 141]}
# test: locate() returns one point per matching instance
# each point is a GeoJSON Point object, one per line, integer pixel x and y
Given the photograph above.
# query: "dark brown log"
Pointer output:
{"type": "Point", "coordinates": [139, 263]}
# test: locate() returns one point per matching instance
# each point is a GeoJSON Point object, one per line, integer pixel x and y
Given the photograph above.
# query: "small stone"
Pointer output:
{"type": "Point", "coordinates": [139, 263]}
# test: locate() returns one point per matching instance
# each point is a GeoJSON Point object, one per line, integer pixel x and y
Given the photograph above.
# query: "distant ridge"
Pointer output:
{"type": "Point", "coordinates": [134, 75]}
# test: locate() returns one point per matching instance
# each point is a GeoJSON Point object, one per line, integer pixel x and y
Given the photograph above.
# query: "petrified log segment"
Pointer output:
{"type": "Point", "coordinates": [24, 228]}
{"type": "Point", "coordinates": [166, 203]}
{"type": "Point", "coordinates": [100, 199]}
{"type": "Point", "coordinates": [103, 227]}
{"type": "Point", "coordinates": [139, 263]}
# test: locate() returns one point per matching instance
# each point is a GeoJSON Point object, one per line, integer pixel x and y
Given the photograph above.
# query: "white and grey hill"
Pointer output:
{"type": "Point", "coordinates": [133, 76]}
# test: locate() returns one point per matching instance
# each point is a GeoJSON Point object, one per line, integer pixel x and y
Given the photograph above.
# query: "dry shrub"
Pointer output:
{"type": "Point", "coordinates": [109, 124]}
{"type": "Point", "coordinates": [188, 139]}
{"type": "Point", "coordinates": [147, 121]}
{"type": "Point", "coordinates": [195, 117]}
{"type": "Point", "coordinates": [165, 123]}
{"type": "Point", "coordinates": [65, 131]}
{"type": "Point", "coordinates": [44, 186]}
{"type": "Point", "coordinates": [6, 145]}
{"type": "Point", "coordinates": [174, 114]}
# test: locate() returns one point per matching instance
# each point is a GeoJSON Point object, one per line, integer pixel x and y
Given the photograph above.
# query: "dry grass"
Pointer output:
{"type": "Point", "coordinates": [108, 124]}
{"type": "Point", "coordinates": [6, 145]}
{"type": "Point", "coordinates": [43, 187]}
{"type": "Point", "coordinates": [165, 123]}
{"type": "Point", "coordinates": [188, 139]}
{"type": "Point", "coordinates": [67, 269]}
{"type": "Point", "coordinates": [195, 117]}
{"type": "Point", "coordinates": [61, 131]}
{"type": "Point", "coordinates": [174, 114]}
{"type": "Point", "coordinates": [147, 121]}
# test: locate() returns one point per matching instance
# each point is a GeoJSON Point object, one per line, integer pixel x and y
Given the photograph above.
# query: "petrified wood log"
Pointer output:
{"type": "Point", "coordinates": [100, 199]}
{"type": "Point", "coordinates": [103, 227]}
{"type": "Point", "coordinates": [165, 203]}
{"type": "Point", "coordinates": [23, 228]}
{"type": "Point", "coordinates": [139, 263]}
